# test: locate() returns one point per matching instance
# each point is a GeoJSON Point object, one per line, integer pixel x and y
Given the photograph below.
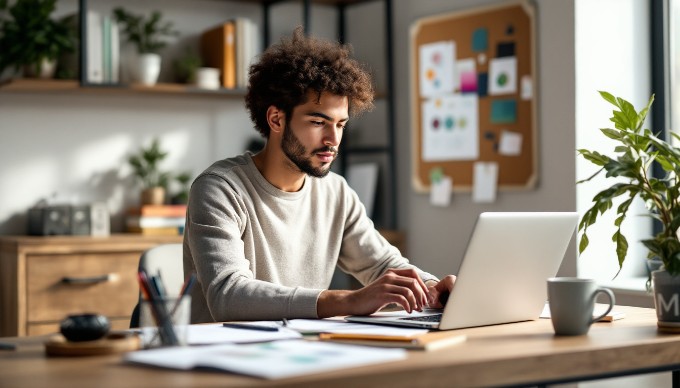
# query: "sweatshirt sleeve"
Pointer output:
{"type": "Point", "coordinates": [365, 253]}
{"type": "Point", "coordinates": [215, 223]}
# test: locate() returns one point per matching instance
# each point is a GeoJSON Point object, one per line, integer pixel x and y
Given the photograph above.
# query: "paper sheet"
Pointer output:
{"type": "Point", "coordinates": [269, 360]}
{"type": "Point", "coordinates": [437, 68]}
{"type": "Point", "coordinates": [503, 76]}
{"type": "Point", "coordinates": [217, 334]}
{"type": "Point", "coordinates": [485, 182]}
{"type": "Point", "coordinates": [450, 128]}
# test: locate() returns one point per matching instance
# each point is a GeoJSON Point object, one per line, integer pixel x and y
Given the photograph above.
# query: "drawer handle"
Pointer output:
{"type": "Point", "coordinates": [87, 280]}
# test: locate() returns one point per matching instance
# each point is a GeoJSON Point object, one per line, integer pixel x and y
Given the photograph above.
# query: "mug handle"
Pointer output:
{"type": "Point", "coordinates": [611, 302]}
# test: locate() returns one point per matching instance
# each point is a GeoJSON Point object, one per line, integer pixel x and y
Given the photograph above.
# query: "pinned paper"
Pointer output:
{"type": "Point", "coordinates": [503, 76]}
{"type": "Point", "coordinates": [527, 88]}
{"type": "Point", "coordinates": [450, 128]}
{"type": "Point", "coordinates": [510, 144]}
{"type": "Point", "coordinates": [485, 182]}
{"type": "Point", "coordinates": [468, 75]}
{"type": "Point", "coordinates": [482, 84]}
{"type": "Point", "coordinates": [480, 39]}
{"type": "Point", "coordinates": [503, 111]}
{"type": "Point", "coordinates": [505, 49]}
{"type": "Point", "coordinates": [440, 192]}
{"type": "Point", "coordinates": [437, 68]}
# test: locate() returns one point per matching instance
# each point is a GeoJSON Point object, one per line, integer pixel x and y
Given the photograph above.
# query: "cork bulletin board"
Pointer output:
{"type": "Point", "coordinates": [473, 88]}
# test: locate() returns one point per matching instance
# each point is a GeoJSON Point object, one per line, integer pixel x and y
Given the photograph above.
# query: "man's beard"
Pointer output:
{"type": "Point", "coordinates": [296, 152]}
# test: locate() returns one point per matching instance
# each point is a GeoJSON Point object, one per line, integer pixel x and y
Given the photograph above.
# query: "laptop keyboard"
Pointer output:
{"type": "Point", "coordinates": [425, 318]}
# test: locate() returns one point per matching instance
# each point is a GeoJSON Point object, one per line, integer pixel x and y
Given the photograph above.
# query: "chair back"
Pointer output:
{"type": "Point", "coordinates": [166, 260]}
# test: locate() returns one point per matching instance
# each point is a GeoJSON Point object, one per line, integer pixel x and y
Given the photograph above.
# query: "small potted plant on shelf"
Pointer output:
{"type": "Point", "coordinates": [636, 151]}
{"type": "Point", "coordinates": [147, 35]}
{"type": "Point", "coordinates": [145, 165]}
{"type": "Point", "coordinates": [184, 181]}
{"type": "Point", "coordinates": [31, 39]}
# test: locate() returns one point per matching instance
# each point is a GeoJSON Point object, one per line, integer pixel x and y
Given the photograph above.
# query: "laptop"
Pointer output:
{"type": "Point", "coordinates": [503, 275]}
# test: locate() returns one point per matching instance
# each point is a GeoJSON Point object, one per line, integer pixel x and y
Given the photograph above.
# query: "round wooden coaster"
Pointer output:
{"type": "Point", "coordinates": [113, 343]}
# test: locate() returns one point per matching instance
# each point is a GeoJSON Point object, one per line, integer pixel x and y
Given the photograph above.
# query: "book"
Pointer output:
{"type": "Point", "coordinates": [161, 231]}
{"type": "Point", "coordinates": [247, 48]}
{"type": "Point", "coordinates": [153, 222]}
{"type": "Point", "coordinates": [218, 49]}
{"type": "Point", "coordinates": [159, 210]}
{"type": "Point", "coordinates": [95, 37]}
{"type": "Point", "coordinates": [429, 341]}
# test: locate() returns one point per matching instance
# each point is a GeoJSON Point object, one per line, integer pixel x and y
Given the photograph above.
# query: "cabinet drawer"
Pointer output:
{"type": "Point", "coordinates": [102, 283]}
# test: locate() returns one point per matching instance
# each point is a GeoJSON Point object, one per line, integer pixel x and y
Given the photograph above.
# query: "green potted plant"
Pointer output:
{"type": "Point", "coordinates": [31, 39]}
{"type": "Point", "coordinates": [636, 151]}
{"type": "Point", "coordinates": [145, 166]}
{"type": "Point", "coordinates": [148, 36]}
{"type": "Point", "coordinates": [184, 181]}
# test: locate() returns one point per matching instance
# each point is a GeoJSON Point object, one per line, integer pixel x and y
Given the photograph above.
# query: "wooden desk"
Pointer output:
{"type": "Point", "coordinates": [512, 354]}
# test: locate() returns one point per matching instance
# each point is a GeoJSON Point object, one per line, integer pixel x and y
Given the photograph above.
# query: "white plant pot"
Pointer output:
{"type": "Point", "coordinates": [46, 69]}
{"type": "Point", "coordinates": [148, 67]}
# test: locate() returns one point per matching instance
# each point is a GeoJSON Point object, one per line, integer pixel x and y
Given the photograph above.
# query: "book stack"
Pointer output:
{"type": "Point", "coordinates": [230, 47]}
{"type": "Point", "coordinates": [102, 50]}
{"type": "Point", "coordinates": [156, 219]}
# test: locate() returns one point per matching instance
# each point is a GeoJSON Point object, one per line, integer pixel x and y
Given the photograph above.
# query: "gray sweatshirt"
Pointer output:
{"type": "Point", "coordinates": [264, 254]}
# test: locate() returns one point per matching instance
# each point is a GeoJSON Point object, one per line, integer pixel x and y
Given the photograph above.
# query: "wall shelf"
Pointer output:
{"type": "Point", "coordinates": [24, 85]}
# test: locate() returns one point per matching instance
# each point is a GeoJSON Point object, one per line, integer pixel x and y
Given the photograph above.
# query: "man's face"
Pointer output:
{"type": "Point", "coordinates": [313, 133]}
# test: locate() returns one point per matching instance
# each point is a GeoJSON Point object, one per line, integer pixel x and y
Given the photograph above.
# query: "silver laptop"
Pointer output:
{"type": "Point", "coordinates": [503, 275]}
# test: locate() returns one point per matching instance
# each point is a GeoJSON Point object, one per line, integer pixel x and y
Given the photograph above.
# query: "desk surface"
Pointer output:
{"type": "Point", "coordinates": [510, 354]}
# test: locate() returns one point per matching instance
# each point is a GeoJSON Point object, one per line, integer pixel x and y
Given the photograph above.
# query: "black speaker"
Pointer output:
{"type": "Point", "coordinates": [49, 221]}
{"type": "Point", "coordinates": [80, 220]}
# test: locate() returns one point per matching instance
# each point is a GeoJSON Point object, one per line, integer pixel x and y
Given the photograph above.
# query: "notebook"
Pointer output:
{"type": "Point", "coordinates": [503, 275]}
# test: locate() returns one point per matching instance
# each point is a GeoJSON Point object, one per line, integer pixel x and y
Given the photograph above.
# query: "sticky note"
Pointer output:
{"type": "Point", "coordinates": [503, 111]}
{"type": "Point", "coordinates": [480, 39]}
{"type": "Point", "coordinates": [510, 143]}
{"type": "Point", "coordinates": [440, 192]}
{"type": "Point", "coordinates": [527, 88]}
{"type": "Point", "coordinates": [485, 181]}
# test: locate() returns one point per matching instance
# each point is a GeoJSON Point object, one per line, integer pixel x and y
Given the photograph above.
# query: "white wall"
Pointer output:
{"type": "Point", "coordinates": [72, 148]}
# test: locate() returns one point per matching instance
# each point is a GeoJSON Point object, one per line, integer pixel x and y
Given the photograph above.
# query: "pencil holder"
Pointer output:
{"type": "Point", "coordinates": [165, 322]}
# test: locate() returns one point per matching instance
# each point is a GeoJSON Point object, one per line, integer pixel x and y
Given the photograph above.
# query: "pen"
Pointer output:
{"type": "Point", "coordinates": [249, 326]}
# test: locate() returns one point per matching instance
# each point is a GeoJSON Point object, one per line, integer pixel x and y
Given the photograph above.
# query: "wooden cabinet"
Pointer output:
{"type": "Point", "coordinates": [44, 279]}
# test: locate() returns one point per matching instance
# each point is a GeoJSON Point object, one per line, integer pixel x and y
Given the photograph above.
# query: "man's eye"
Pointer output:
{"type": "Point", "coordinates": [317, 122]}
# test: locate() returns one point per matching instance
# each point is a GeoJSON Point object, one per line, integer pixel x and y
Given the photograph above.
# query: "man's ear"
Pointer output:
{"type": "Point", "coordinates": [276, 119]}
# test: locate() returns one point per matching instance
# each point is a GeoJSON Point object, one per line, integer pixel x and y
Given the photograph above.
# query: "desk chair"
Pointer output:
{"type": "Point", "coordinates": [165, 259]}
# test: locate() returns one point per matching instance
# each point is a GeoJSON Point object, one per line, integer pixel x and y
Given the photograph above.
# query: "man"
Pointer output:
{"type": "Point", "coordinates": [265, 232]}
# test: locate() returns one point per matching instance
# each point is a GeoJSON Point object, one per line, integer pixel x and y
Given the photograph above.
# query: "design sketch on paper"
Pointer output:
{"type": "Point", "coordinates": [450, 128]}
{"type": "Point", "coordinates": [437, 68]}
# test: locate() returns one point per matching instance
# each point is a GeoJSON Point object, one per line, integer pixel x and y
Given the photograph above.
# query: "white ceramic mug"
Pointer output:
{"type": "Point", "coordinates": [571, 303]}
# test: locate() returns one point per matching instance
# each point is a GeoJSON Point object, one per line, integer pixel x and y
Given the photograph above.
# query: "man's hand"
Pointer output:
{"type": "Point", "coordinates": [439, 291]}
{"type": "Point", "coordinates": [401, 286]}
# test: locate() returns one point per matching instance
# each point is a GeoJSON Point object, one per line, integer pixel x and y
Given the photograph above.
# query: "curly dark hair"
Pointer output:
{"type": "Point", "coordinates": [286, 71]}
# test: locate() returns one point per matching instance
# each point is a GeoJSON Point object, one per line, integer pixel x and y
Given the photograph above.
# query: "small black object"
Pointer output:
{"type": "Point", "coordinates": [84, 327]}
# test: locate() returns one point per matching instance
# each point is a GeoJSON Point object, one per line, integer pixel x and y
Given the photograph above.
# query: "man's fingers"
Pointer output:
{"type": "Point", "coordinates": [420, 289]}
